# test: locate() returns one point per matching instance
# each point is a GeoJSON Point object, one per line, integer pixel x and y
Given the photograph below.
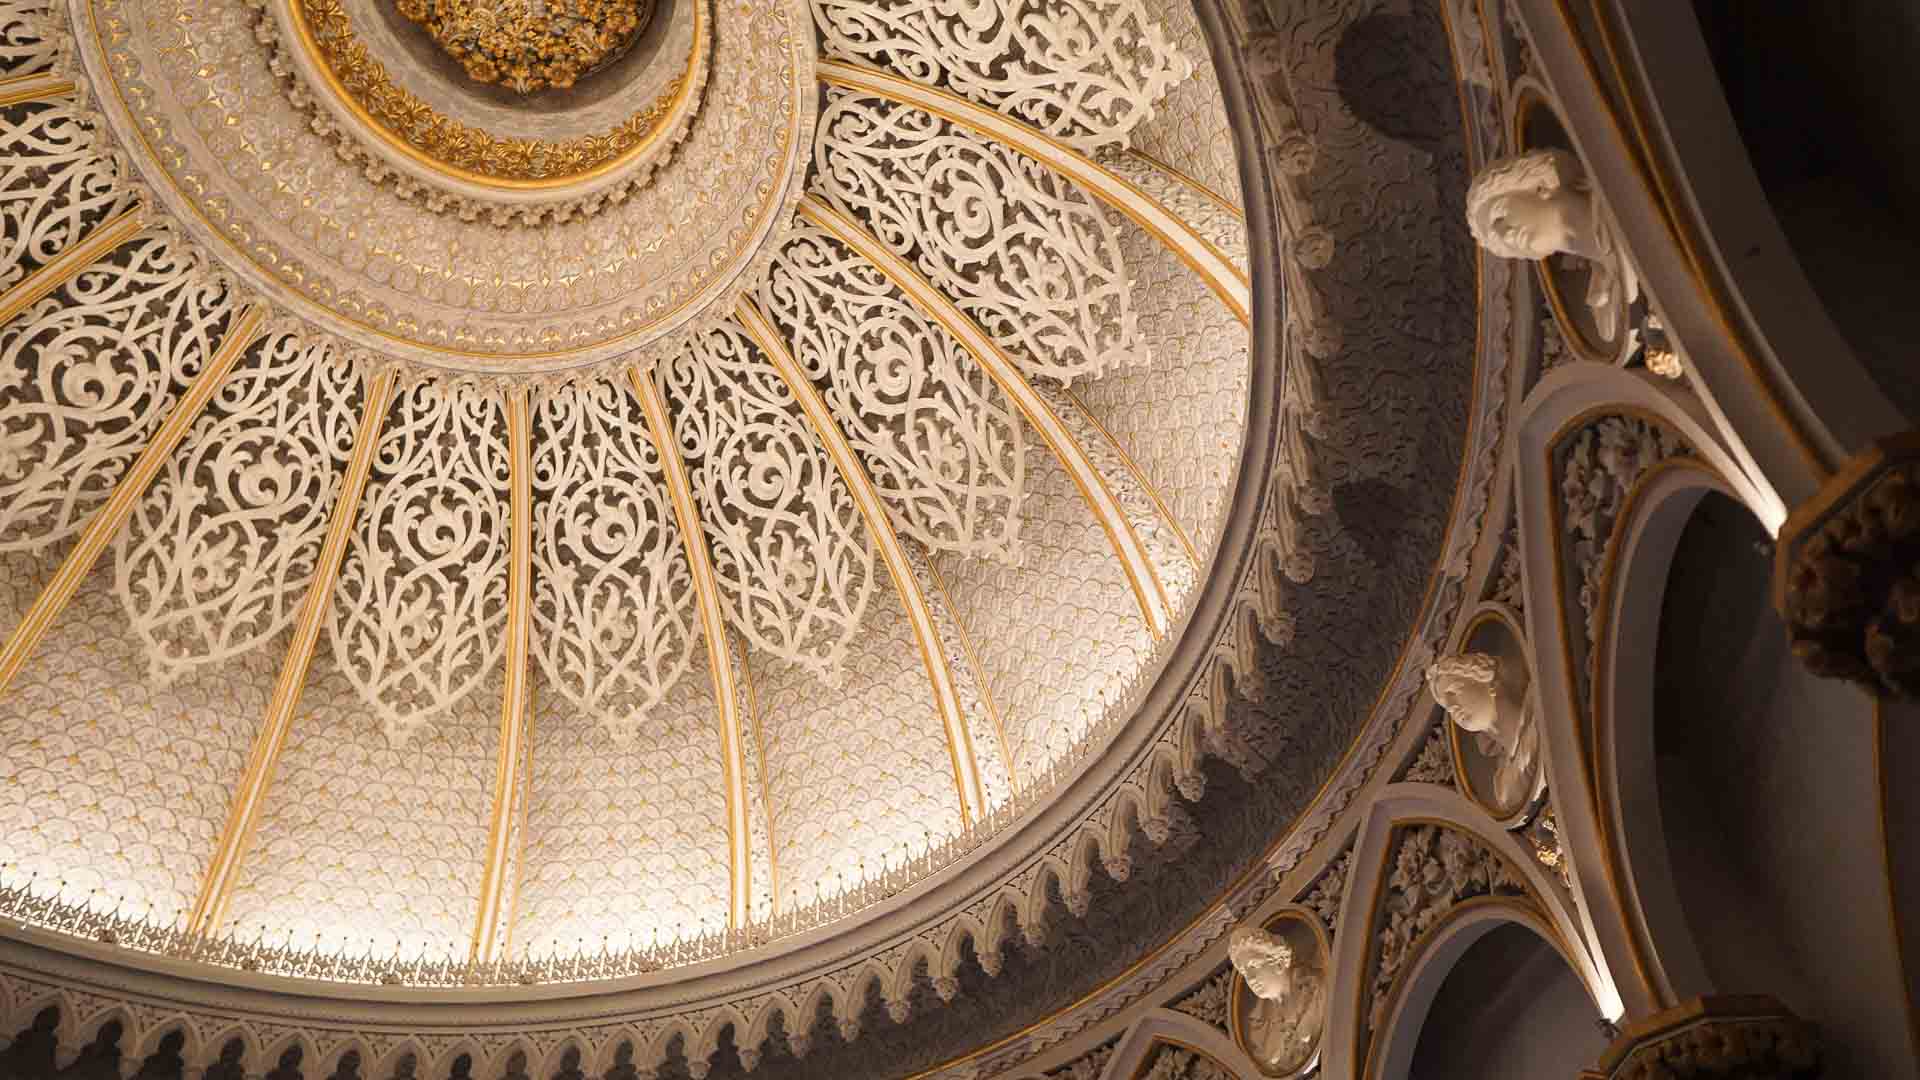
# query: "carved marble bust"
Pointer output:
{"type": "Point", "coordinates": [1540, 203]}
{"type": "Point", "coordinates": [1284, 1023]}
{"type": "Point", "coordinates": [1488, 698]}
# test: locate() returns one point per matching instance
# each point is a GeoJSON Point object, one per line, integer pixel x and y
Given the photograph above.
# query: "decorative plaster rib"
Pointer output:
{"type": "Point", "coordinates": [217, 888]}
{"type": "Point", "coordinates": [713, 626]}
{"type": "Point", "coordinates": [1073, 457]}
{"type": "Point", "coordinates": [966, 772]}
{"type": "Point", "coordinates": [241, 334]}
{"type": "Point", "coordinates": [1233, 286]}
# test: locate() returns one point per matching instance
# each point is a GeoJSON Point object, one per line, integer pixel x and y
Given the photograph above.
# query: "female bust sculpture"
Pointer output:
{"type": "Point", "coordinates": [1483, 697]}
{"type": "Point", "coordinates": [1290, 1005]}
{"type": "Point", "coordinates": [1540, 203]}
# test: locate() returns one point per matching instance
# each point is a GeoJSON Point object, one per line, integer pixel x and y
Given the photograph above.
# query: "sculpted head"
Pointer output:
{"type": "Point", "coordinates": [1531, 206]}
{"type": "Point", "coordinates": [1464, 685]}
{"type": "Point", "coordinates": [1263, 960]}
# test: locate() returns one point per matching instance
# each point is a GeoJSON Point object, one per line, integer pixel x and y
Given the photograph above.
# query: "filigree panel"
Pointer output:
{"type": "Point", "coordinates": [859, 776]}
{"type": "Point", "coordinates": [113, 789]}
{"type": "Point", "coordinates": [1180, 420]}
{"type": "Point", "coordinates": [86, 375]}
{"type": "Point", "coordinates": [612, 592]}
{"type": "Point", "coordinates": [1059, 634]}
{"type": "Point", "coordinates": [25, 46]}
{"type": "Point", "coordinates": [363, 844]}
{"type": "Point", "coordinates": [1086, 72]}
{"type": "Point", "coordinates": [935, 432]}
{"type": "Point", "coordinates": [216, 557]}
{"type": "Point", "coordinates": [420, 611]}
{"type": "Point", "coordinates": [793, 558]}
{"type": "Point", "coordinates": [1029, 255]}
{"type": "Point", "coordinates": [1188, 129]}
{"type": "Point", "coordinates": [626, 838]}
{"type": "Point", "coordinates": [58, 180]}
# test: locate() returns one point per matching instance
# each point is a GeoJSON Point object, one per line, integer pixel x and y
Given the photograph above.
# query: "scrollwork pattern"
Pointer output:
{"type": "Point", "coordinates": [1086, 72]}
{"type": "Point", "coordinates": [420, 610]}
{"type": "Point", "coordinates": [25, 47]}
{"type": "Point", "coordinates": [87, 373]}
{"type": "Point", "coordinates": [793, 558]}
{"type": "Point", "coordinates": [216, 557]}
{"type": "Point", "coordinates": [1023, 251]}
{"type": "Point", "coordinates": [612, 592]}
{"type": "Point", "coordinates": [935, 432]}
{"type": "Point", "coordinates": [57, 181]}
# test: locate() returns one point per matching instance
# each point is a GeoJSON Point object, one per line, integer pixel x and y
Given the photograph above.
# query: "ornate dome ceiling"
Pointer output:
{"type": "Point", "coordinates": [777, 516]}
{"type": "Point", "coordinates": [634, 511]}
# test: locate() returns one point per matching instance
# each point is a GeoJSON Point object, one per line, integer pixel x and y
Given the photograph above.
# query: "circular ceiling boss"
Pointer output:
{"type": "Point", "coordinates": [530, 45]}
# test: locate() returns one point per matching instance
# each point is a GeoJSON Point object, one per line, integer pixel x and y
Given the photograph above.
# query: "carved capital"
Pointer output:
{"type": "Point", "coordinates": [1714, 1038]}
{"type": "Point", "coordinates": [1847, 572]}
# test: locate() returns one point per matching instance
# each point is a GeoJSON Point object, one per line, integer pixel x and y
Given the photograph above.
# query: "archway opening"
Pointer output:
{"type": "Point", "coordinates": [1768, 802]}
{"type": "Point", "coordinates": [1510, 1009]}
{"type": "Point", "coordinates": [1819, 93]}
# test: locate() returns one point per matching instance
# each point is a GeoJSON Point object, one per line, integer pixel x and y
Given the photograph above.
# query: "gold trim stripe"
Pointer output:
{"type": "Point", "coordinates": [67, 265]}
{"type": "Point", "coordinates": [713, 626]}
{"type": "Point", "coordinates": [217, 889]}
{"type": "Point", "coordinates": [1221, 275]}
{"type": "Point", "coordinates": [513, 706]}
{"type": "Point", "coordinates": [983, 683]}
{"type": "Point", "coordinates": [1073, 457]}
{"type": "Point", "coordinates": [966, 770]}
{"type": "Point", "coordinates": [1139, 476]}
{"type": "Point", "coordinates": [100, 530]}
{"type": "Point", "coordinates": [43, 86]}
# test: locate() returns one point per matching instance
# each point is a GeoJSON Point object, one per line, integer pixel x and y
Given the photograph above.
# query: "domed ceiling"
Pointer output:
{"type": "Point", "coordinates": [498, 491]}
{"type": "Point", "coordinates": [631, 472]}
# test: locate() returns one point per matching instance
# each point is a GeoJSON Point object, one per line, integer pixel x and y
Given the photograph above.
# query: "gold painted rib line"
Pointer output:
{"type": "Point", "coordinates": [522, 801]}
{"type": "Point", "coordinates": [63, 267]}
{"type": "Point", "coordinates": [1106, 509]}
{"type": "Point", "coordinates": [513, 705]}
{"type": "Point", "coordinates": [979, 676]}
{"type": "Point", "coordinates": [713, 627]}
{"type": "Point", "coordinates": [766, 791]}
{"type": "Point", "coordinates": [1139, 475]}
{"type": "Point", "coordinates": [44, 86]}
{"type": "Point", "coordinates": [106, 521]}
{"type": "Point", "coordinates": [1189, 181]}
{"type": "Point", "coordinates": [1219, 272]}
{"type": "Point", "coordinates": [217, 889]}
{"type": "Point", "coordinates": [966, 771]}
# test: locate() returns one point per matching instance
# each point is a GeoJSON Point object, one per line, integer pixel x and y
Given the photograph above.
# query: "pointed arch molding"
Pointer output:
{"type": "Point", "coordinates": [966, 771]}
{"type": "Point", "coordinates": [250, 796]}
{"type": "Point", "coordinates": [1033, 405]}
{"type": "Point", "coordinates": [713, 626]}
{"type": "Point", "coordinates": [1227, 280]}
{"type": "Point", "coordinates": [245, 329]}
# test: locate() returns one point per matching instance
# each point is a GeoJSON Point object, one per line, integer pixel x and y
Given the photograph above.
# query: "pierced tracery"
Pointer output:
{"type": "Point", "coordinates": [1084, 71]}
{"type": "Point", "coordinates": [1023, 251]}
{"type": "Point", "coordinates": [937, 435]}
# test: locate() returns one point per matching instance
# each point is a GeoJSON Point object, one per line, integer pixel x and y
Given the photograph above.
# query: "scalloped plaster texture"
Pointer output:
{"type": "Point", "coordinates": [854, 770]}
{"type": "Point", "coordinates": [624, 837]}
{"type": "Point", "coordinates": [364, 840]}
{"type": "Point", "coordinates": [107, 780]}
{"type": "Point", "coordinates": [1181, 419]}
{"type": "Point", "coordinates": [1188, 129]}
{"type": "Point", "coordinates": [1059, 620]}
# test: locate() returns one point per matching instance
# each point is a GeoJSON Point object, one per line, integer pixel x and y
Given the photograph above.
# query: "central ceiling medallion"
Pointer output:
{"type": "Point", "coordinates": [529, 45]}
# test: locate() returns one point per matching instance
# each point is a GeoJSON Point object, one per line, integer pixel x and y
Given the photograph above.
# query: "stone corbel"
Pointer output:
{"type": "Point", "coordinates": [1847, 572]}
{"type": "Point", "coordinates": [1714, 1038]}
